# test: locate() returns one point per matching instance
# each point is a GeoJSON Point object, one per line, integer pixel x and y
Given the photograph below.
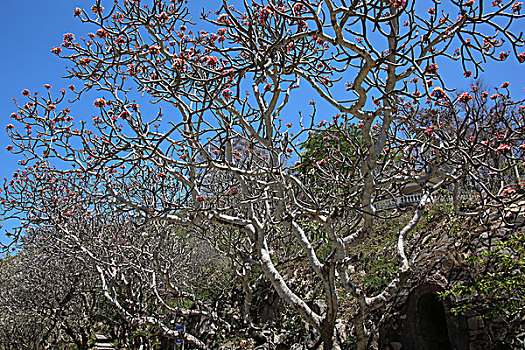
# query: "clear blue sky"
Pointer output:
{"type": "Point", "coordinates": [30, 28]}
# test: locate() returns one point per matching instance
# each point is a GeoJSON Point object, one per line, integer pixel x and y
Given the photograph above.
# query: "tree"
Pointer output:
{"type": "Point", "coordinates": [49, 298]}
{"type": "Point", "coordinates": [218, 158]}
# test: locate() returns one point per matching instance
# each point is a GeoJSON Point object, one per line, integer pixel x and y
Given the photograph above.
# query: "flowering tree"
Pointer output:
{"type": "Point", "coordinates": [150, 274]}
{"type": "Point", "coordinates": [48, 298]}
{"type": "Point", "coordinates": [223, 151]}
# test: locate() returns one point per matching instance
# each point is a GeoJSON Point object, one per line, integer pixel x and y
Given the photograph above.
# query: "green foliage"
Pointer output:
{"type": "Point", "coordinates": [499, 287]}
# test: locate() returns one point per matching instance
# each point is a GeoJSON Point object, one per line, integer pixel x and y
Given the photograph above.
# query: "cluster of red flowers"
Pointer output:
{"type": "Point", "coordinates": [465, 97]}
{"type": "Point", "coordinates": [99, 102]}
{"type": "Point", "coordinates": [232, 191]}
{"type": "Point", "coordinates": [438, 93]}
{"type": "Point", "coordinates": [97, 9]}
{"type": "Point", "coordinates": [163, 16]}
{"type": "Point", "coordinates": [516, 7]}
{"type": "Point", "coordinates": [211, 60]}
{"type": "Point", "coordinates": [78, 12]}
{"type": "Point", "coordinates": [154, 50]}
{"type": "Point", "coordinates": [521, 57]}
{"type": "Point", "coordinates": [430, 129]}
{"type": "Point", "coordinates": [399, 4]}
{"type": "Point", "coordinates": [505, 85]}
{"type": "Point", "coordinates": [124, 115]}
{"type": "Point", "coordinates": [84, 61]}
{"type": "Point", "coordinates": [431, 68]}
{"type": "Point", "coordinates": [467, 74]}
{"type": "Point", "coordinates": [56, 50]}
{"type": "Point", "coordinates": [68, 38]}
{"type": "Point", "coordinates": [503, 148]}
{"type": "Point", "coordinates": [223, 18]}
{"type": "Point", "coordinates": [227, 94]}
{"type": "Point", "coordinates": [102, 33]}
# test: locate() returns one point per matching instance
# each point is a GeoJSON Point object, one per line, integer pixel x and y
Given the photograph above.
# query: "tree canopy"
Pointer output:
{"type": "Point", "coordinates": [223, 156]}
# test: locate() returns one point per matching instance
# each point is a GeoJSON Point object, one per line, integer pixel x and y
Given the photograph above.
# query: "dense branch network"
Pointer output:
{"type": "Point", "coordinates": [222, 153]}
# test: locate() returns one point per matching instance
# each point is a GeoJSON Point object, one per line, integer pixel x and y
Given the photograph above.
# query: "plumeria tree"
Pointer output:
{"type": "Point", "coordinates": [49, 298]}
{"type": "Point", "coordinates": [225, 150]}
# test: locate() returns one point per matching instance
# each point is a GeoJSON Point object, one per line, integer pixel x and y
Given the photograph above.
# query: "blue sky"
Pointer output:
{"type": "Point", "coordinates": [31, 28]}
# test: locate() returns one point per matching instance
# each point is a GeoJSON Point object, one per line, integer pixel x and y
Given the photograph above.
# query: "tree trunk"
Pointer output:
{"type": "Point", "coordinates": [327, 335]}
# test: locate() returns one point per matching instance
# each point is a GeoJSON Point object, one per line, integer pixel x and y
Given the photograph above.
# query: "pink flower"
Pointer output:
{"type": "Point", "coordinates": [99, 102]}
